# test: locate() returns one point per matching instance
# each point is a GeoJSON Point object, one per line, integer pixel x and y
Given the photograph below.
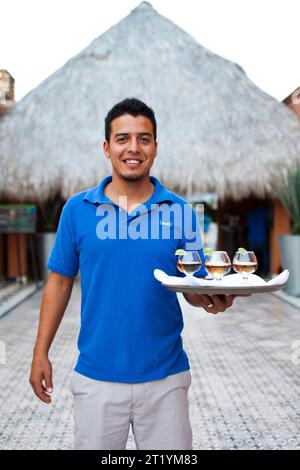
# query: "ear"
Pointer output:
{"type": "Point", "coordinates": [106, 148]}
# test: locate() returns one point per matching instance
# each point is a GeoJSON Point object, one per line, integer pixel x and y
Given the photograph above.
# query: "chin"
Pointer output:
{"type": "Point", "coordinates": [132, 177]}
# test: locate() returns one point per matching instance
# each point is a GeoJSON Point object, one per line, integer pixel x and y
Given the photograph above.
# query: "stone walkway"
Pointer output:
{"type": "Point", "coordinates": [14, 293]}
{"type": "Point", "coordinates": [245, 382]}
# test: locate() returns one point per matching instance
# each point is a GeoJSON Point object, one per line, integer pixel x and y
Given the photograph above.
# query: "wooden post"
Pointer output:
{"type": "Point", "coordinates": [16, 255]}
{"type": "Point", "coordinates": [281, 226]}
{"type": "Point", "coordinates": [2, 257]}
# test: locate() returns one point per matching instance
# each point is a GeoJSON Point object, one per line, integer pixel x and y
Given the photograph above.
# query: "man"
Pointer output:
{"type": "Point", "coordinates": [132, 368]}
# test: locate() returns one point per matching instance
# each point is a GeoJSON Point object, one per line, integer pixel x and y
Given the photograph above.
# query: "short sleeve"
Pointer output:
{"type": "Point", "coordinates": [191, 237]}
{"type": "Point", "coordinates": [64, 257]}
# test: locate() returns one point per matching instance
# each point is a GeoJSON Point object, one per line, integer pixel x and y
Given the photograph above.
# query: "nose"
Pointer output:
{"type": "Point", "coordinates": [133, 145]}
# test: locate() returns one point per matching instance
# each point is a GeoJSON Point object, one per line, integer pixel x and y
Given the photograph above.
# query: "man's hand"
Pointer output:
{"type": "Point", "coordinates": [215, 303]}
{"type": "Point", "coordinates": [212, 303]}
{"type": "Point", "coordinates": [41, 378]}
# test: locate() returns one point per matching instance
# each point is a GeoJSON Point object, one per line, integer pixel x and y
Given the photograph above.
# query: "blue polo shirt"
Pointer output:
{"type": "Point", "coordinates": [130, 325]}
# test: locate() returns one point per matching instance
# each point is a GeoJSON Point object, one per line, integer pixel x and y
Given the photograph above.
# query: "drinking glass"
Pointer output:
{"type": "Point", "coordinates": [244, 263]}
{"type": "Point", "coordinates": [189, 263]}
{"type": "Point", "coordinates": [217, 264]}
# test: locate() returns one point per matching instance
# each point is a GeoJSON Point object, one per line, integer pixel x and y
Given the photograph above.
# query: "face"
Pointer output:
{"type": "Point", "coordinates": [131, 147]}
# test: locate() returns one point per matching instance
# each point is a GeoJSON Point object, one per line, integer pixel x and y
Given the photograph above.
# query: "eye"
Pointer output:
{"type": "Point", "coordinates": [145, 139]}
{"type": "Point", "coordinates": [121, 139]}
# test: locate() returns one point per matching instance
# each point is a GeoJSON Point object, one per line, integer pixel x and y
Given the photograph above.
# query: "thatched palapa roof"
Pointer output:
{"type": "Point", "coordinates": [216, 129]}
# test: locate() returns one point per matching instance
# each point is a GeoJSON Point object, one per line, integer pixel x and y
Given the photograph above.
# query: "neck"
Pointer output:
{"type": "Point", "coordinates": [135, 191]}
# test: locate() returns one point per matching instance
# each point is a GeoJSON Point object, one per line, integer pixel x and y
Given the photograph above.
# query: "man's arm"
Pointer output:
{"type": "Point", "coordinates": [55, 299]}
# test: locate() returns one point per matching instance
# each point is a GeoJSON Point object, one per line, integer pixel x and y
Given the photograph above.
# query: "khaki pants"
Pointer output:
{"type": "Point", "coordinates": [158, 412]}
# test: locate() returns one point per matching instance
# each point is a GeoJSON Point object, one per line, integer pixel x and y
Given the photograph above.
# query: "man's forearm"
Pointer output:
{"type": "Point", "coordinates": [54, 302]}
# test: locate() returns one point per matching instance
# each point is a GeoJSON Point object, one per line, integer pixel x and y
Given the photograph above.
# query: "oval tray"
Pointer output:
{"type": "Point", "coordinates": [225, 289]}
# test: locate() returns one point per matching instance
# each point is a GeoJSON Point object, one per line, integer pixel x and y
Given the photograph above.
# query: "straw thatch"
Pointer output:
{"type": "Point", "coordinates": [216, 130]}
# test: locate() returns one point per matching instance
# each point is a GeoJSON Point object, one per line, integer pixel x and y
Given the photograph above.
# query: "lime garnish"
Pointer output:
{"type": "Point", "coordinates": [208, 251]}
{"type": "Point", "coordinates": [242, 251]}
{"type": "Point", "coordinates": [180, 252]}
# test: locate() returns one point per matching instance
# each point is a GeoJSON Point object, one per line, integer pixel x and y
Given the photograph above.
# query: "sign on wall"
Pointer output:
{"type": "Point", "coordinates": [17, 218]}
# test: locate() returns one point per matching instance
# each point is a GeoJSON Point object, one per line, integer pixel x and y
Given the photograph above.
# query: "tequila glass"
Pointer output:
{"type": "Point", "coordinates": [189, 263]}
{"type": "Point", "coordinates": [218, 264]}
{"type": "Point", "coordinates": [244, 264]}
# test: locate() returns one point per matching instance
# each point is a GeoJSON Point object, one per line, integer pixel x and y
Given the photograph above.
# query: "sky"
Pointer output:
{"type": "Point", "coordinates": [37, 37]}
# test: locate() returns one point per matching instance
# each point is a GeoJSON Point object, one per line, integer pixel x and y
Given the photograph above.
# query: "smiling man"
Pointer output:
{"type": "Point", "coordinates": [132, 368]}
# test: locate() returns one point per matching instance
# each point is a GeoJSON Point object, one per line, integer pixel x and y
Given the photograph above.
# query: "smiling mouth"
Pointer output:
{"type": "Point", "coordinates": [132, 162]}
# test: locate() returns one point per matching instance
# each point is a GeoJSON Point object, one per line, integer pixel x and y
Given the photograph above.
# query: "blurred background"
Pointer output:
{"type": "Point", "coordinates": [222, 80]}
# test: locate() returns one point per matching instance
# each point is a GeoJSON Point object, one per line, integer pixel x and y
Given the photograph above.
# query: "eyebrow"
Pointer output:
{"type": "Point", "coordinates": [139, 133]}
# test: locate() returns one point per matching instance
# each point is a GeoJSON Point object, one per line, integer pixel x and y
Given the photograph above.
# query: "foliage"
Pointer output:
{"type": "Point", "coordinates": [49, 210]}
{"type": "Point", "coordinates": [289, 197]}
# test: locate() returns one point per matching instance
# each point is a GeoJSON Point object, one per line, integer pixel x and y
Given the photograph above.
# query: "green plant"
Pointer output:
{"type": "Point", "coordinates": [49, 209]}
{"type": "Point", "coordinates": [289, 197]}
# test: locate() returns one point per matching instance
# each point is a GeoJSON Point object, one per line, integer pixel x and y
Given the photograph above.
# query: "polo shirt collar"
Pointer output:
{"type": "Point", "coordinates": [96, 194]}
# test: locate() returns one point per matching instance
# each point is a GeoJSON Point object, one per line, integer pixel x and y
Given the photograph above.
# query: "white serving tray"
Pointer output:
{"type": "Point", "coordinates": [230, 284]}
{"type": "Point", "coordinates": [223, 290]}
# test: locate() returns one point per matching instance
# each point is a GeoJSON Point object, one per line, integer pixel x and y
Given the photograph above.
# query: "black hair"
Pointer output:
{"type": "Point", "coordinates": [131, 106]}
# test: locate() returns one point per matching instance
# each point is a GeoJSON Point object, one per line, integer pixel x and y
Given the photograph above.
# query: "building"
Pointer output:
{"type": "Point", "coordinates": [217, 131]}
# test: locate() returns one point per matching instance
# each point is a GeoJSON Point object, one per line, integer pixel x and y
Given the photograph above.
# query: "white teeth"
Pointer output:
{"type": "Point", "coordinates": [132, 161]}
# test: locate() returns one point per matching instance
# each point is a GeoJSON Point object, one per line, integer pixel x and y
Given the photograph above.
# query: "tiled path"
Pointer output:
{"type": "Point", "coordinates": [13, 293]}
{"type": "Point", "coordinates": [245, 385]}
